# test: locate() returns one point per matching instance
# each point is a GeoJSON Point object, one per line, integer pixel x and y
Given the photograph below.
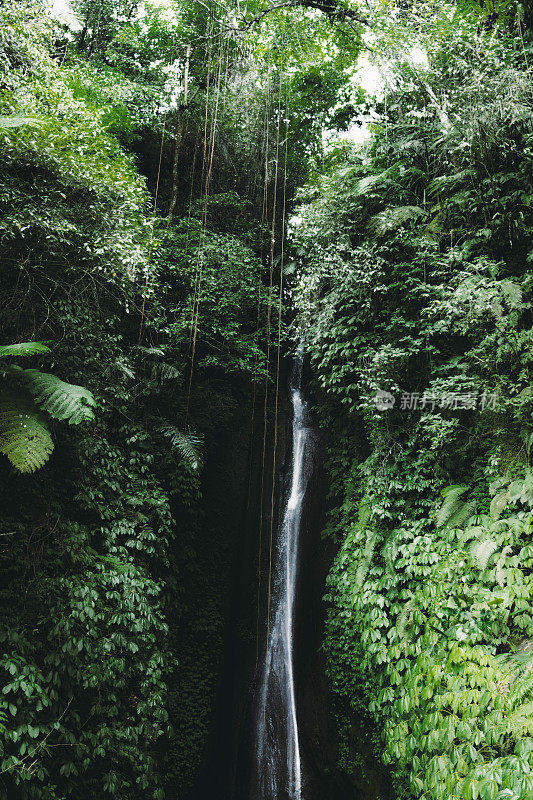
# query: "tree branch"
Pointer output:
{"type": "Point", "coordinates": [334, 11]}
{"type": "Point", "coordinates": [331, 8]}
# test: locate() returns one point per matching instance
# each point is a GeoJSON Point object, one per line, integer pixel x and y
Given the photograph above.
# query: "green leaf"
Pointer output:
{"type": "Point", "coordinates": [24, 435]}
{"type": "Point", "coordinates": [16, 121]}
{"type": "Point", "coordinates": [23, 349]}
{"type": "Point", "coordinates": [64, 401]}
{"type": "Point", "coordinates": [393, 218]}
{"type": "Point", "coordinates": [186, 444]}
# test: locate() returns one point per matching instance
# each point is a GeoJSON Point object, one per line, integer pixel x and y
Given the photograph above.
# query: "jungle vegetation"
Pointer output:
{"type": "Point", "coordinates": [188, 189]}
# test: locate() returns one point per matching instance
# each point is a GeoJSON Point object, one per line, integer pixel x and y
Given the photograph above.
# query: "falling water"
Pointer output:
{"type": "Point", "coordinates": [278, 752]}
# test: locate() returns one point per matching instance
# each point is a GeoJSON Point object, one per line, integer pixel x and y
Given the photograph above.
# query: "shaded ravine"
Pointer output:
{"type": "Point", "coordinates": [230, 768]}
{"type": "Point", "coordinates": [278, 762]}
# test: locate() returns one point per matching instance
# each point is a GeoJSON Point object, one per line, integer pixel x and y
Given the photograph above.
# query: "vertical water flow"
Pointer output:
{"type": "Point", "coordinates": [278, 753]}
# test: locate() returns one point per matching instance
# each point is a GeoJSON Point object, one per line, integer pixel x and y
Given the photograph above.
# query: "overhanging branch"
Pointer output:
{"type": "Point", "coordinates": [333, 10]}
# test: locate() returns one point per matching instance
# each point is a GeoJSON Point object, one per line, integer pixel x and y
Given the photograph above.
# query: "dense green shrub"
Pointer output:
{"type": "Point", "coordinates": [415, 282]}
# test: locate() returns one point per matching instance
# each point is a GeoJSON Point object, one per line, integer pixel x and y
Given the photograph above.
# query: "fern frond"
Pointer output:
{"type": "Point", "coordinates": [472, 532]}
{"type": "Point", "coordinates": [114, 564]}
{"type": "Point", "coordinates": [393, 218]}
{"type": "Point", "coordinates": [363, 512]}
{"type": "Point", "coordinates": [482, 551]}
{"type": "Point", "coordinates": [149, 352]}
{"type": "Point", "coordinates": [404, 617]}
{"type": "Point", "coordinates": [23, 349]}
{"type": "Point", "coordinates": [366, 559]}
{"type": "Point", "coordinates": [522, 689]}
{"type": "Point", "coordinates": [462, 514]}
{"type": "Point", "coordinates": [186, 444]}
{"type": "Point", "coordinates": [512, 293]}
{"type": "Point", "coordinates": [500, 574]}
{"type": "Point", "coordinates": [447, 181]}
{"type": "Point", "coordinates": [454, 512]}
{"type": "Point", "coordinates": [24, 435]}
{"type": "Point", "coordinates": [123, 368]}
{"type": "Point", "coordinates": [369, 182]}
{"type": "Point", "coordinates": [389, 554]}
{"type": "Point", "coordinates": [498, 503]}
{"type": "Point", "coordinates": [520, 722]}
{"type": "Point", "coordinates": [64, 401]}
{"type": "Point", "coordinates": [166, 372]}
{"type": "Point", "coordinates": [454, 489]}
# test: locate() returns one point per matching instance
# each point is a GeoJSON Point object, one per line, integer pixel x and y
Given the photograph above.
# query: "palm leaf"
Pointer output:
{"type": "Point", "coordinates": [64, 401]}
{"type": "Point", "coordinates": [24, 434]}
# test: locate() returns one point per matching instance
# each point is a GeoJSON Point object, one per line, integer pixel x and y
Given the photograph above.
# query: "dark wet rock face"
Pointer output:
{"type": "Point", "coordinates": [229, 768]}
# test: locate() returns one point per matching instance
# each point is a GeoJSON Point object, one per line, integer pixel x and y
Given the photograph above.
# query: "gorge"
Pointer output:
{"type": "Point", "coordinates": [218, 581]}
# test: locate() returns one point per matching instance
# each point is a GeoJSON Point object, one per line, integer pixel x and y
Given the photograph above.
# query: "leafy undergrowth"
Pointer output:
{"type": "Point", "coordinates": [415, 288]}
{"type": "Point", "coordinates": [432, 622]}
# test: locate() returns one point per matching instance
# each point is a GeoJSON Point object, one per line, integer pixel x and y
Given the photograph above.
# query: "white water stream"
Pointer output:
{"type": "Point", "coordinates": [278, 751]}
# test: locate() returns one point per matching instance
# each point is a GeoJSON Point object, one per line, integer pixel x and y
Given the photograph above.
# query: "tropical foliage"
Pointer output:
{"type": "Point", "coordinates": [181, 199]}
{"type": "Point", "coordinates": [415, 286]}
{"type": "Point", "coordinates": [24, 433]}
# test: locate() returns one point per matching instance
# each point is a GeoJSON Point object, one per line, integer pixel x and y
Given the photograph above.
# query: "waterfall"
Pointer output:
{"type": "Point", "coordinates": [277, 746]}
